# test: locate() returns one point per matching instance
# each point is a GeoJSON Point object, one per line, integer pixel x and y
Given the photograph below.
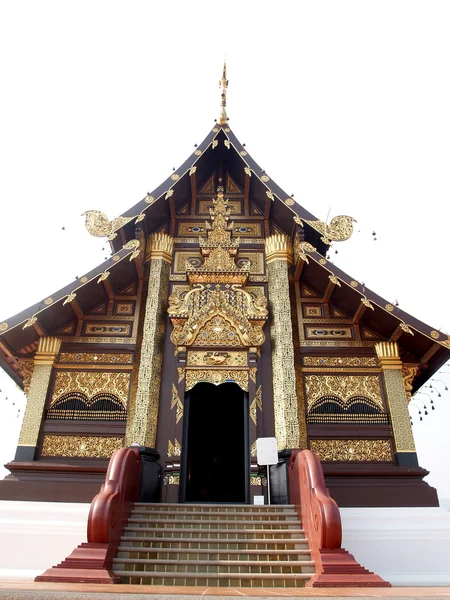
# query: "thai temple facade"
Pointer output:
{"type": "Point", "coordinates": [218, 320]}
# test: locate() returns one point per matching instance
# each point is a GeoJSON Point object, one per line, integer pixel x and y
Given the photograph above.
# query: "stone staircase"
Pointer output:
{"type": "Point", "coordinates": [214, 545]}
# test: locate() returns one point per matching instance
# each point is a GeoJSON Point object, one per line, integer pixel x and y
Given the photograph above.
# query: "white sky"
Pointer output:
{"type": "Point", "coordinates": [345, 104]}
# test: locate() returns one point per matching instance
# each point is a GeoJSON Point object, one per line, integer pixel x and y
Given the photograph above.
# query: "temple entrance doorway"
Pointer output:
{"type": "Point", "coordinates": [216, 458]}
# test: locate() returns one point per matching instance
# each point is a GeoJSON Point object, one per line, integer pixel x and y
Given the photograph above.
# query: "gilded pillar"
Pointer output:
{"type": "Point", "coordinates": [44, 359]}
{"type": "Point", "coordinates": [279, 258]}
{"type": "Point", "coordinates": [143, 417]}
{"type": "Point", "coordinates": [391, 366]}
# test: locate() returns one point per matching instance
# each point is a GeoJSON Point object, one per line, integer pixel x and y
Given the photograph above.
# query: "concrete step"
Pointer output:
{"type": "Point", "coordinates": [207, 533]}
{"type": "Point", "coordinates": [242, 542]}
{"type": "Point", "coordinates": [253, 508]}
{"type": "Point", "coordinates": [214, 579]}
{"type": "Point", "coordinates": [277, 515]}
{"type": "Point", "coordinates": [228, 564]}
{"type": "Point", "coordinates": [212, 554]}
{"type": "Point", "coordinates": [206, 523]}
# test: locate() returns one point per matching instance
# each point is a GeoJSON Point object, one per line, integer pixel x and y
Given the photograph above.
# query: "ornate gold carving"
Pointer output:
{"type": "Point", "coordinates": [219, 315]}
{"type": "Point", "coordinates": [176, 402]}
{"type": "Point", "coordinates": [390, 307]}
{"type": "Point", "coordinates": [160, 247]}
{"type": "Point", "coordinates": [3, 326]}
{"type": "Point", "coordinates": [149, 199]}
{"type": "Point", "coordinates": [352, 450]}
{"type": "Point", "coordinates": [243, 153]}
{"type": "Point", "coordinates": [174, 177]}
{"type": "Point", "coordinates": [31, 321]}
{"type": "Point", "coordinates": [300, 249]}
{"type": "Point", "coordinates": [398, 408]}
{"type": "Point", "coordinates": [367, 303]}
{"type": "Point", "coordinates": [26, 367]}
{"type": "Point", "coordinates": [142, 427]}
{"type": "Point", "coordinates": [408, 374]}
{"type": "Point", "coordinates": [252, 372]}
{"type": "Point", "coordinates": [340, 361]}
{"type": "Point", "coordinates": [258, 480]}
{"type": "Point", "coordinates": [172, 479]}
{"type": "Point", "coordinates": [388, 355]}
{"type": "Point", "coordinates": [343, 387]}
{"type": "Point", "coordinates": [289, 202]}
{"type": "Point", "coordinates": [256, 403]}
{"type": "Point", "coordinates": [98, 224]}
{"type": "Point", "coordinates": [283, 366]}
{"type": "Point", "coordinates": [174, 449]}
{"type": "Point", "coordinates": [216, 376]}
{"type": "Point", "coordinates": [339, 229]}
{"type": "Point", "coordinates": [227, 359]}
{"type": "Point", "coordinates": [80, 446]}
{"type": "Point", "coordinates": [253, 449]}
{"type": "Point", "coordinates": [322, 261]}
{"type": "Point", "coordinates": [181, 373]}
{"type": "Point", "coordinates": [197, 152]}
{"type": "Point", "coordinates": [214, 144]}
{"type": "Point", "coordinates": [278, 247]}
{"type": "Point", "coordinates": [435, 334]}
{"type": "Point", "coordinates": [406, 328]}
{"type": "Point", "coordinates": [91, 383]}
{"type": "Point", "coordinates": [169, 194]}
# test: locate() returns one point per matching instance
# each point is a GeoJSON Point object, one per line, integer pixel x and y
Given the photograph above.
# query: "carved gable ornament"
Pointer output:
{"type": "Point", "coordinates": [217, 310]}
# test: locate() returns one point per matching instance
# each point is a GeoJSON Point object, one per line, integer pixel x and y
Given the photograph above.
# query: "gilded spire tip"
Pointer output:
{"type": "Point", "coordinates": [223, 83]}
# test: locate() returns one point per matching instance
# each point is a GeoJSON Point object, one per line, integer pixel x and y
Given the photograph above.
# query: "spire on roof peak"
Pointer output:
{"type": "Point", "coordinates": [223, 83]}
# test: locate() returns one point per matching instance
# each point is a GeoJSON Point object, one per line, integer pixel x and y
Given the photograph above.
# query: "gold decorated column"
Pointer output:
{"type": "Point", "coordinates": [143, 415]}
{"type": "Point", "coordinates": [391, 366]}
{"type": "Point", "coordinates": [44, 359]}
{"type": "Point", "coordinates": [279, 257]}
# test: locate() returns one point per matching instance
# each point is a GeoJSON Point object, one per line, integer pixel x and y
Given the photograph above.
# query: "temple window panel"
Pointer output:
{"type": "Point", "coordinates": [90, 395]}
{"type": "Point", "coordinates": [357, 410]}
{"type": "Point", "coordinates": [77, 406]}
{"type": "Point", "coordinates": [350, 398]}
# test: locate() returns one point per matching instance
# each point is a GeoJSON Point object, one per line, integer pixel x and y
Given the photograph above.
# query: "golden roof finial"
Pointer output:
{"type": "Point", "coordinates": [223, 83]}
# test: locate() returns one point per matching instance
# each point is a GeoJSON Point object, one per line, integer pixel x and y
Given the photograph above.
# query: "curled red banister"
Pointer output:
{"type": "Point", "coordinates": [321, 521]}
{"type": "Point", "coordinates": [91, 562]}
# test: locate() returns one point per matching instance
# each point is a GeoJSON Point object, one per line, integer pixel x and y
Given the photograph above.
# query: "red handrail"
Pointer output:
{"type": "Point", "coordinates": [92, 561]}
{"type": "Point", "coordinates": [321, 521]}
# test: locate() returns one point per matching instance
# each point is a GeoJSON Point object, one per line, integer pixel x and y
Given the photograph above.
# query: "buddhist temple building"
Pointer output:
{"type": "Point", "coordinates": [218, 320]}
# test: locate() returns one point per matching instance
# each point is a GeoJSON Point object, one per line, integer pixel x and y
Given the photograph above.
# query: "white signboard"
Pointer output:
{"type": "Point", "coordinates": [266, 451]}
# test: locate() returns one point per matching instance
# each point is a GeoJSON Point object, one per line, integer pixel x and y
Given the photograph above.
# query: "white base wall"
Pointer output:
{"type": "Point", "coordinates": [37, 535]}
{"type": "Point", "coordinates": [405, 546]}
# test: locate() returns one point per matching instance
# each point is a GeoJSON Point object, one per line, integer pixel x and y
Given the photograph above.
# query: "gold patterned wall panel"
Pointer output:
{"type": "Point", "coordinates": [35, 405]}
{"type": "Point", "coordinates": [142, 427]}
{"type": "Point", "coordinates": [283, 364]}
{"type": "Point", "coordinates": [352, 450]}
{"type": "Point", "coordinates": [80, 446]}
{"type": "Point", "coordinates": [216, 376]}
{"type": "Point", "coordinates": [210, 358]}
{"type": "Point", "coordinates": [182, 257]}
{"type": "Point", "coordinates": [343, 387]}
{"type": "Point", "coordinates": [340, 361]}
{"type": "Point", "coordinates": [398, 408]}
{"type": "Point", "coordinates": [91, 383]}
{"type": "Point", "coordinates": [205, 205]}
{"type": "Point", "coordinates": [96, 358]}
{"type": "Point", "coordinates": [255, 260]}
{"type": "Point", "coordinates": [312, 311]}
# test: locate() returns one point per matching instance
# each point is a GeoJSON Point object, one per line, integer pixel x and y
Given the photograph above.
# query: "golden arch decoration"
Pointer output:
{"type": "Point", "coordinates": [216, 377]}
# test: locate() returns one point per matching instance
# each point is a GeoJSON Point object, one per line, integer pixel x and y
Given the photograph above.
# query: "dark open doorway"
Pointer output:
{"type": "Point", "coordinates": [215, 450]}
